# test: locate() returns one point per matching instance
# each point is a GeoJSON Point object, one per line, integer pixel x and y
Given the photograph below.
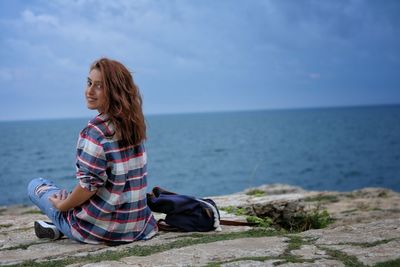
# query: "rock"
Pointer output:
{"type": "Point", "coordinates": [63, 249]}
{"type": "Point", "coordinates": [318, 263]}
{"type": "Point", "coordinates": [277, 189]}
{"type": "Point", "coordinates": [370, 242]}
{"type": "Point", "coordinates": [309, 252]}
{"type": "Point", "coordinates": [363, 233]}
{"type": "Point", "coordinates": [251, 263]}
{"type": "Point", "coordinates": [372, 255]}
{"type": "Point", "coordinates": [366, 227]}
{"type": "Point", "coordinates": [279, 210]}
{"type": "Point", "coordinates": [202, 254]}
{"type": "Point", "coordinates": [104, 264]}
{"type": "Point", "coordinates": [277, 206]}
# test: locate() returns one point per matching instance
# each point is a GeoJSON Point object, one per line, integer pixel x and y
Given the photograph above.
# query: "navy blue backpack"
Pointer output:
{"type": "Point", "coordinates": [184, 213]}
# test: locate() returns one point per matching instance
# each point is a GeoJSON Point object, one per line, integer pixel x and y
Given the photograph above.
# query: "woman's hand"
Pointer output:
{"type": "Point", "coordinates": [58, 199]}
{"type": "Point", "coordinates": [64, 201]}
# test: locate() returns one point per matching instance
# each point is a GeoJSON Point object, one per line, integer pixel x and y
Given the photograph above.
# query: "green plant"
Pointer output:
{"type": "Point", "coordinates": [6, 225]}
{"type": "Point", "coordinates": [261, 222]}
{"type": "Point", "coordinates": [304, 221]}
{"type": "Point", "coordinates": [348, 260]}
{"type": "Point", "coordinates": [256, 193]}
{"type": "Point", "coordinates": [391, 263]}
{"type": "Point", "coordinates": [234, 210]}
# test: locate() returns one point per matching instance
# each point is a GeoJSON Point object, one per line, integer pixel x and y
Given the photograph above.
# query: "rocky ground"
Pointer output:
{"type": "Point", "coordinates": [365, 231]}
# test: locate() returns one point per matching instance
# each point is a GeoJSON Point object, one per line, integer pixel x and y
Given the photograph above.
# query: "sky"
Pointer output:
{"type": "Point", "coordinates": [200, 56]}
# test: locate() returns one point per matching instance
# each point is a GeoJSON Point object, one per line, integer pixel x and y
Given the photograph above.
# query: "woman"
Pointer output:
{"type": "Point", "coordinates": [108, 204]}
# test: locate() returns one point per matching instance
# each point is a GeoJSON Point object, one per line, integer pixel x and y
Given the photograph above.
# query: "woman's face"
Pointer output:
{"type": "Point", "coordinates": [95, 96]}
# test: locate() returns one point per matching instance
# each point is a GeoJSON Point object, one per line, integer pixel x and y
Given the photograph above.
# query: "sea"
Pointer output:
{"type": "Point", "coordinates": [208, 154]}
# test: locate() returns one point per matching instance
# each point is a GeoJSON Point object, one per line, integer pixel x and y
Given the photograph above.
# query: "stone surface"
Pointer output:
{"type": "Point", "coordinates": [366, 226]}
{"type": "Point", "coordinates": [277, 207]}
{"type": "Point", "coordinates": [64, 248]}
{"type": "Point", "coordinates": [251, 263]}
{"type": "Point", "coordinates": [199, 255]}
{"type": "Point", "coordinates": [309, 252]}
{"type": "Point", "coordinates": [364, 205]}
{"type": "Point", "coordinates": [273, 263]}
{"type": "Point", "coordinates": [318, 263]}
{"type": "Point", "coordinates": [104, 264]}
{"type": "Point", "coordinates": [372, 255]}
{"type": "Point", "coordinates": [357, 233]}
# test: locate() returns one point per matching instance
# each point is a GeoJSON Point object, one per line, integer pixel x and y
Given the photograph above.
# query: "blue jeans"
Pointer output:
{"type": "Point", "coordinates": [41, 199]}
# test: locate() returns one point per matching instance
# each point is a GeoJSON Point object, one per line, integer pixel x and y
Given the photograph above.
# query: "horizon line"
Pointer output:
{"type": "Point", "coordinates": [214, 111]}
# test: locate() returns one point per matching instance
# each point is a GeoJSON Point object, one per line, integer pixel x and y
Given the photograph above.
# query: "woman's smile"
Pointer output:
{"type": "Point", "coordinates": [91, 99]}
{"type": "Point", "coordinates": [94, 91]}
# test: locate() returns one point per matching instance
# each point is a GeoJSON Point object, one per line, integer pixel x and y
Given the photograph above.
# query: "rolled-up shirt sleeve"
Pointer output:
{"type": "Point", "coordinates": [91, 163]}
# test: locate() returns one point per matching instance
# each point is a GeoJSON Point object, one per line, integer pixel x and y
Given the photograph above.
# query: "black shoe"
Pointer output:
{"type": "Point", "coordinates": [46, 230]}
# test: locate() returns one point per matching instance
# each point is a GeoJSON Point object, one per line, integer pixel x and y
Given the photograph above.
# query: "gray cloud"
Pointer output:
{"type": "Point", "coordinates": [203, 55]}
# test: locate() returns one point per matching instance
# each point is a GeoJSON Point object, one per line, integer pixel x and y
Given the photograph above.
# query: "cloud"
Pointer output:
{"type": "Point", "coordinates": [314, 75]}
{"type": "Point", "coordinates": [188, 52]}
{"type": "Point", "coordinates": [29, 17]}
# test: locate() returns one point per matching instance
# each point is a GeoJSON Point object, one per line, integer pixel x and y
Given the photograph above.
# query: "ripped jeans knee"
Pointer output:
{"type": "Point", "coordinates": [41, 189]}
{"type": "Point", "coordinates": [39, 186]}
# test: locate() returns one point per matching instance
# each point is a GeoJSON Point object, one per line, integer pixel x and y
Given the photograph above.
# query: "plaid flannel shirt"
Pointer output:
{"type": "Point", "coordinates": [118, 212]}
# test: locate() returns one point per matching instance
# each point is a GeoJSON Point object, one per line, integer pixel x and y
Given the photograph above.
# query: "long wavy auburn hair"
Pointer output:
{"type": "Point", "coordinates": [123, 102]}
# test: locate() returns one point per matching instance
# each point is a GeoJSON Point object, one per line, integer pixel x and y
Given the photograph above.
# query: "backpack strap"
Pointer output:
{"type": "Point", "coordinates": [216, 214]}
{"type": "Point", "coordinates": [163, 226]}
{"type": "Point", "coordinates": [236, 223]}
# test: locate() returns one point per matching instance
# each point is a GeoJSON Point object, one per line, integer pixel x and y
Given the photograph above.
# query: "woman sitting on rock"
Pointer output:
{"type": "Point", "coordinates": [108, 204]}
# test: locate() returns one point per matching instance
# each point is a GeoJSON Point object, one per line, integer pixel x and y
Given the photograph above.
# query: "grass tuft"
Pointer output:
{"type": "Point", "coordinates": [6, 225]}
{"type": "Point", "coordinates": [391, 263]}
{"type": "Point", "coordinates": [306, 220]}
{"type": "Point", "coordinates": [368, 245]}
{"type": "Point", "coordinates": [302, 221]}
{"type": "Point", "coordinates": [256, 193]}
{"type": "Point", "coordinates": [349, 261]}
{"type": "Point", "coordinates": [234, 210]}
{"type": "Point", "coordinates": [22, 246]}
{"type": "Point", "coordinates": [260, 222]}
{"type": "Point", "coordinates": [295, 242]}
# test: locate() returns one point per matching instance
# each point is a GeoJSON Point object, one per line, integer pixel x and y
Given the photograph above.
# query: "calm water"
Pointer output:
{"type": "Point", "coordinates": [219, 153]}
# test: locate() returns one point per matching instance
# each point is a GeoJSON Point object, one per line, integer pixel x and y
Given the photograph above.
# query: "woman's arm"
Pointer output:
{"type": "Point", "coordinates": [65, 201]}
